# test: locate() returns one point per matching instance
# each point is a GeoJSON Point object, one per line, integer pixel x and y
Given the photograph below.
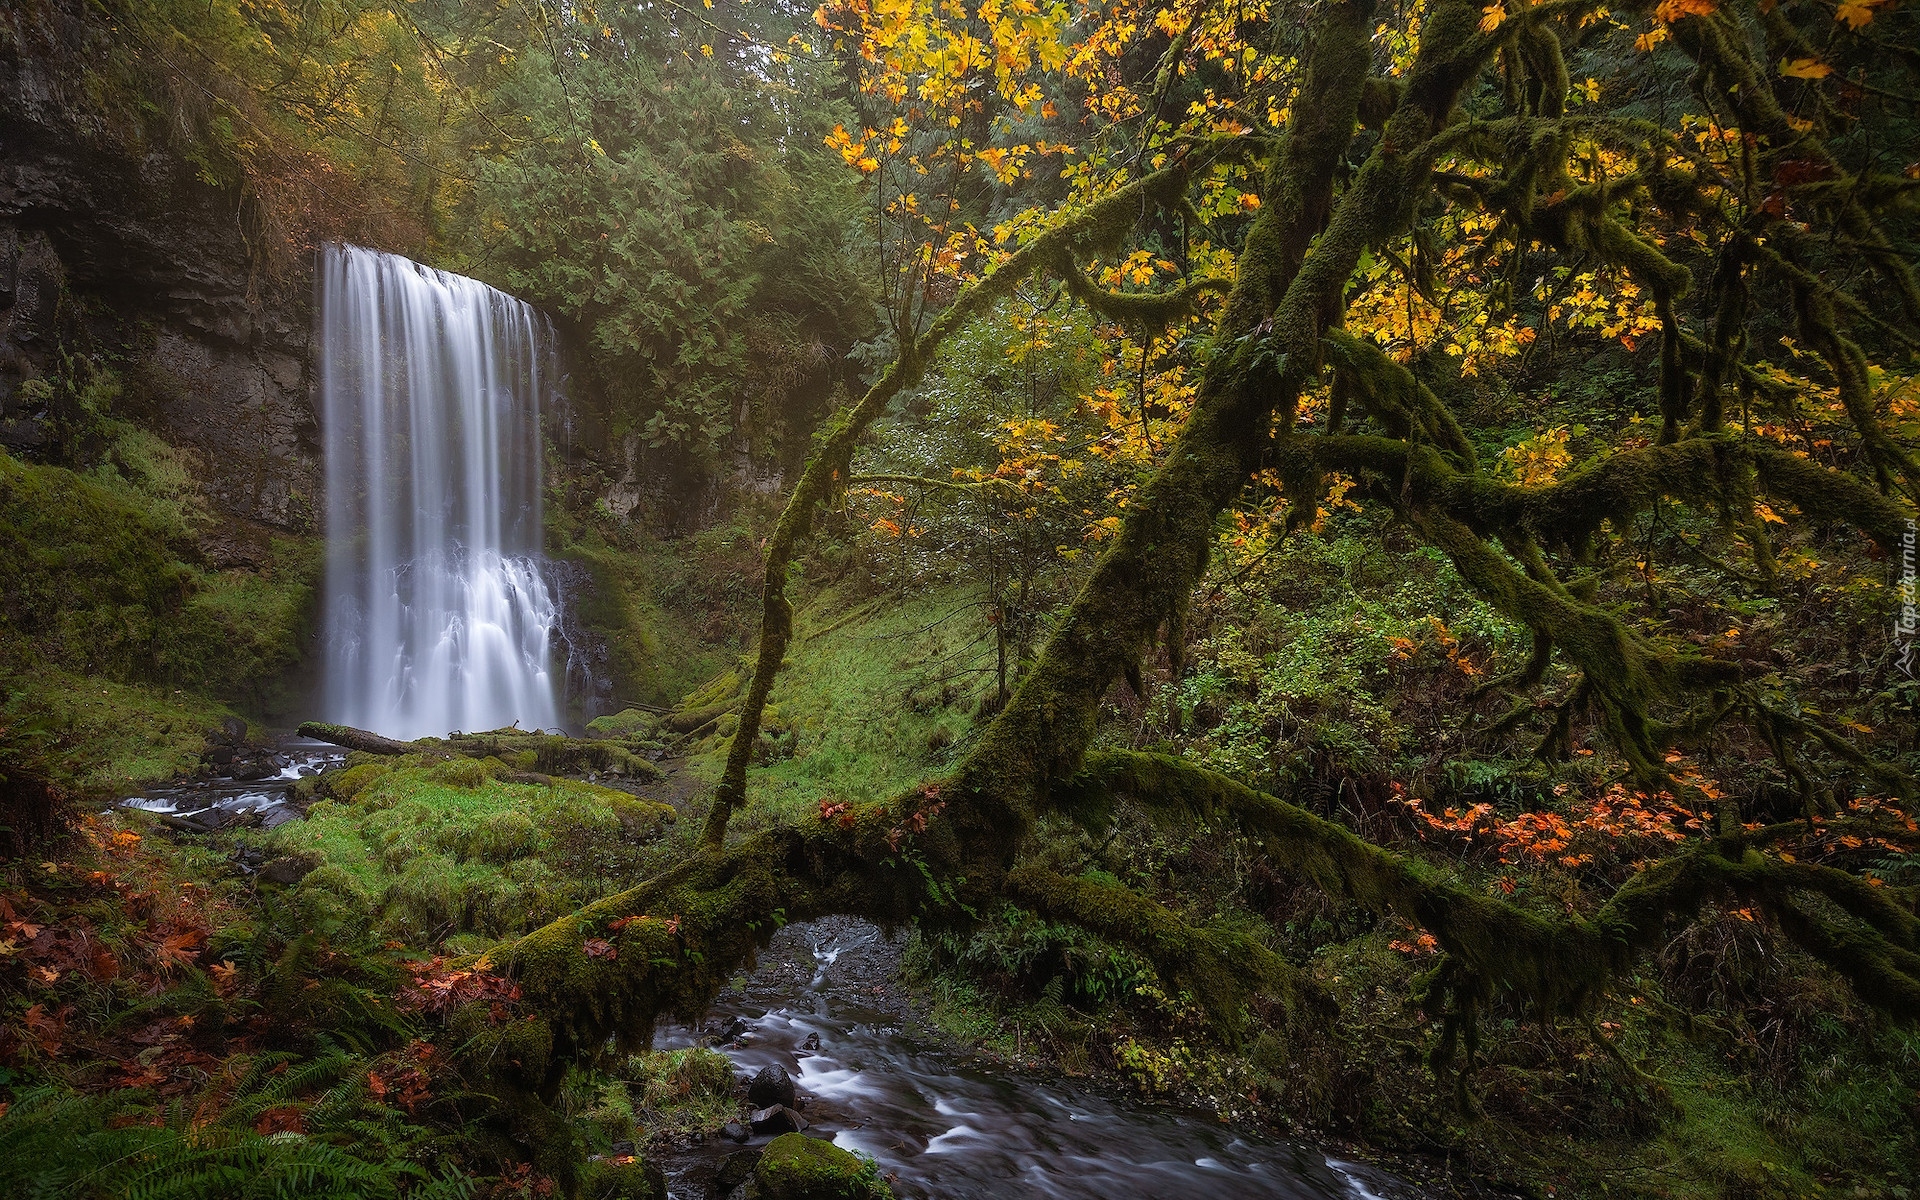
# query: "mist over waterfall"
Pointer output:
{"type": "Point", "coordinates": [438, 616]}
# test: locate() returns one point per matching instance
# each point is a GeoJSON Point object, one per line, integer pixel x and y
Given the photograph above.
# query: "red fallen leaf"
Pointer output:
{"type": "Point", "coordinates": [47, 1028]}
{"type": "Point", "coordinates": [139, 1075]}
{"type": "Point", "coordinates": [601, 948]}
{"type": "Point", "coordinates": [673, 924]}
{"type": "Point", "coordinates": [279, 1120]}
{"type": "Point", "coordinates": [105, 966]}
{"type": "Point", "coordinates": [376, 1085]}
{"type": "Point", "coordinates": [176, 950]}
{"type": "Point", "coordinates": [1801, 170]}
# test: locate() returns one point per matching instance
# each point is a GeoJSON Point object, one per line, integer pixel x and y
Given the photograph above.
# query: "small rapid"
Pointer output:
{"type": "Point", "coordinates": [949, 1126]}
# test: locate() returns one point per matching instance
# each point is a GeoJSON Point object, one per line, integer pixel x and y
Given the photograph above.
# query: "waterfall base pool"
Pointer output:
{"type": "Point", "coordinates": [941, 1124]}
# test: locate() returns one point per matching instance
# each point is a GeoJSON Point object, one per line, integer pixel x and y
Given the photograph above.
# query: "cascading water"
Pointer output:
{"type": "Point", "coordinates": [438, 616]}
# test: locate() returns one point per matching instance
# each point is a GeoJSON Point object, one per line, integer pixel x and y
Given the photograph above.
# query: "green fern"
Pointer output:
{"type": "Point", "coordinates": [58, 1144]}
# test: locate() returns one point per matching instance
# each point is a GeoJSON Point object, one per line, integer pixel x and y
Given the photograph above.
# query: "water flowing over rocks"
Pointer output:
{"type": "Point", "coordinates": [823, 1012]}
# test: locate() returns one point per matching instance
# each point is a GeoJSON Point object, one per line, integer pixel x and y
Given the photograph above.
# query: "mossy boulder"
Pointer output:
{"type": "Point", "coordinates": [627, 1178]}
{"type": "Point", "coordinates": [628, 722]}
{"type": "Point", "coordinates": [345, 785]}
{"type": "Point", "coordinates": [463, 772]}
{"type": "Point", "coordinates": [430, 848]}
{"type": "Point", "coordinates": [640, 820]}
{"type": "Point", "coordinates": [796, 1167]}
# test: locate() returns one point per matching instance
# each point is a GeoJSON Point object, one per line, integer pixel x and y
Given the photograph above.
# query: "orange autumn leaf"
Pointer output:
{"type": "Point", "coordinates": [1805, 68]}
{"type": "Point", "coordinates": [176, 950]}
{"type": "Point", "coordinates": [1857, 14]}
{"type": "Point", "coordinates": [1673, 10]}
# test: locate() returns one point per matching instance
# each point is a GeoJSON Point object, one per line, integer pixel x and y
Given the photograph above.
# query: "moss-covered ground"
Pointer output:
{"type": "Point", "coordinates": [167, 1016]}
{"type": "Point", "coordinates": [119, 645]}
{"type": "Point", "coordinates": [868, 706]}
{"type": "Point", "coordinates": [464, 851]}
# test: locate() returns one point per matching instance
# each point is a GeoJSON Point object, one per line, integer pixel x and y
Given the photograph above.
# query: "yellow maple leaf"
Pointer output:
{"type": "Point", "coordinates": [1670, 11]}
{"type": "Point", "coordinates": [1805, 68]}
{"type": "Point", "coordinates": [1857, 13]}
{"type": "Point", "coordinates": [1491, 16]}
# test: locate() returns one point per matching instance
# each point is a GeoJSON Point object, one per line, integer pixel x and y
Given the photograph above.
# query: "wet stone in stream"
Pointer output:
{"type": "Point", "coordinates": [822, 1009]}
{"type": "Point", "coordinates": [251, 785]}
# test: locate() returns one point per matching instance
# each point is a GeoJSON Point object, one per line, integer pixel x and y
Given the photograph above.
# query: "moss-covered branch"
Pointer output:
{"type": "Point", "coordinates": [1555, 964]}
{"type": "Point", "coordinates": [1222, 968]}
{"type": "Point", "coordinates": [1155, 309]}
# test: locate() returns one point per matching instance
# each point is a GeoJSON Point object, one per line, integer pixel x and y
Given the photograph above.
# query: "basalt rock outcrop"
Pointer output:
{"type": "Point", "coordinates": [114, 245]}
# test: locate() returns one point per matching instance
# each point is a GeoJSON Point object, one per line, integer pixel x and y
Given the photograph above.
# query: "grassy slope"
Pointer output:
{"type": "Point", "coordinates": [873, 704]}
{"type": "Point", "coordinates": [117, 649]}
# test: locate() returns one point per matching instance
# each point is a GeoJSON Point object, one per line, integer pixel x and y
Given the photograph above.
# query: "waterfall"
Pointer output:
{"type": "Point", "coordinates": [437, 615]}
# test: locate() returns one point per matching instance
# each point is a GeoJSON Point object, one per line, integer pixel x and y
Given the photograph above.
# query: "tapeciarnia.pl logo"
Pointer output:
{"type": "Point", "coordinates": [1908, 624]}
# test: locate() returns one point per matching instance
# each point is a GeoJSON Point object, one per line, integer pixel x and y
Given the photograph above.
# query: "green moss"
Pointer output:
{"type": "Point", "coordinates": [797, 1167]}
{"type": "Point", "coordinates": [677, 1092]}
{"type": "Point", "coordinates": [94, 585]}
{"type": "Point", "coordinates": [102, 736]}
{"type": "Point", "coordinates": [628, 722]}
{"type": "Point", "coordinates": [119, 648]}
{"type": "Point", "coordinates": [347, 784]}
{"type": "Point", "coordinates": [856, 709]}
{"type": "Point", "coordinates": [640, 1179]}
{"type": "Point", "coordinates": [430, 848]}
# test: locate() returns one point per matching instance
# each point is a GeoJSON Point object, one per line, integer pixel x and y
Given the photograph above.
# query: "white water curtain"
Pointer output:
{"type": "Point", "coordinates": [437, 615]}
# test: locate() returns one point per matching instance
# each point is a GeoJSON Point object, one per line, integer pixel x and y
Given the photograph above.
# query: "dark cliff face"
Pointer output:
{"type": "Point", "coordinates": [117, 247]}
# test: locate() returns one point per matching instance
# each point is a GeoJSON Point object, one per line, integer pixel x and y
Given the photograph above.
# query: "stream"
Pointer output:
{"type": "Point", "coordinates": [947, 1125]}
{"type": "Point", "coordinates": [206, 804]}
{"type": "Point", "coordinates": [823, 1004]}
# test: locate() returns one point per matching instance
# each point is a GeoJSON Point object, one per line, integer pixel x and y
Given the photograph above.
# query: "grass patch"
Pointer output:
{"type": "Point", "coordinates": [100, 736]}
{"type": "Point", "coordinates": [117, 650]}
{"type": "Point", "coordinates": [865, 708]}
